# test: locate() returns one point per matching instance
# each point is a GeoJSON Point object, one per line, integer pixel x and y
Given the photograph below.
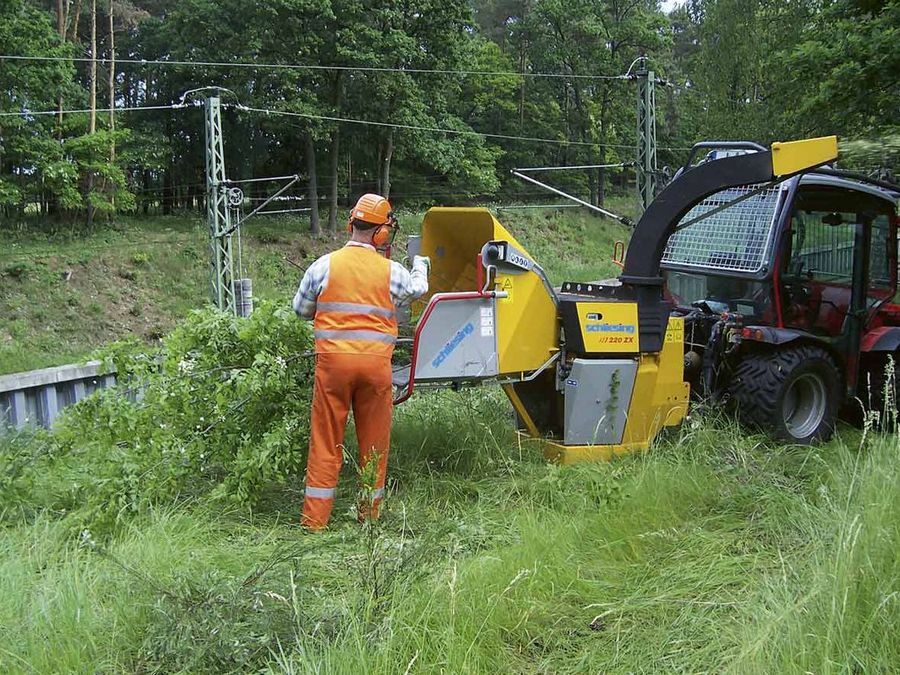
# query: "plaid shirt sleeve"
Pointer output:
{"type": "Point", "coordinates": [406, 286]}
{"type": "Point", "coordinates": [313, 282]}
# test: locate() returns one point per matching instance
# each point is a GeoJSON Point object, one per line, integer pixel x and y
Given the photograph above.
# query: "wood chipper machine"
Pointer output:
{"type": "Point", "coordinates": [568, 359]}
{"type": "Point", "coordinates": [594, 368]}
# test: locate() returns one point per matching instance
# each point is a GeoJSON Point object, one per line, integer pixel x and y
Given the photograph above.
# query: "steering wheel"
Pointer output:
{"type": "Point", "coordinates": [796, 271]}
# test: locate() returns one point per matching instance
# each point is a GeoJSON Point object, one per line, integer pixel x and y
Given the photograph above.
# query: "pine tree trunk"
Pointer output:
{"type": "Point", "coordinates": [523, 61]}
{"type": "Point", "coordinates": [145, 183]}
{"type": "Point", "coordinates": [93, 76]}
{"type": "Point", "coordinates": [61, 29]}
{"type": "Point", "coordinates": [112, 83]}
{"type": "Point", "coordinates": [582, 125]}
{"type": "Point", "coordinates": [168, 194]}
{"type": "Point", "coordinates": [379, 167]}
{"type": "Point", "coordinates": [312, 188]}
{"type": "Point", "coordinates": [92, 127]}
{"type": "Point", "coordinates": [522, 85]}
{"type": "Point", "coordinates": [112, 96]}
{"type": "Point", "coordinates": [75, 21]}
{"type": "Point", "coordinates": [336, 96]}
{"type": "Point", "coordinates": [349, 176]}
{"type": "Point", "coordinates": [604, 136]}
{"type": "Point", "coordinates": [333, 191]}
{"type": "Point", "coordinates": [386, 175]}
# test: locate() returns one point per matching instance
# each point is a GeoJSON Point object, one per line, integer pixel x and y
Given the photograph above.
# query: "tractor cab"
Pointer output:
{"type": "Point", "coordinates": [809, 261]}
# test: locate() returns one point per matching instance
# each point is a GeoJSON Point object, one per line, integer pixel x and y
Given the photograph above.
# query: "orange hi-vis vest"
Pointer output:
{"type": "Point", "coordinates": [355, 313]}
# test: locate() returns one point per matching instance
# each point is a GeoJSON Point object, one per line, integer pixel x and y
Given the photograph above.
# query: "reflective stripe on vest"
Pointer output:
{"type": "Point", "coordinates": [367, 335]}
{"type": "Point", "coordinates": [355, 307]}
{"type": "Point", "coordinates": [355, 313]}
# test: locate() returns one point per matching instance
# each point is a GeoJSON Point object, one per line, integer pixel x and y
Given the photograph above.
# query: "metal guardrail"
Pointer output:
{"type": "Point", "coordinates": [36, 397]}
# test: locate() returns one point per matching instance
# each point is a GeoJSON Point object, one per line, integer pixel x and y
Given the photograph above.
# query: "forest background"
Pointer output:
{"type": "Point", "coordinates": [432, 101]}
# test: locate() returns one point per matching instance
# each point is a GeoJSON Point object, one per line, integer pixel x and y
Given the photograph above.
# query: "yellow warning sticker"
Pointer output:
{"type": "Point", "coordinates": [675, 330]}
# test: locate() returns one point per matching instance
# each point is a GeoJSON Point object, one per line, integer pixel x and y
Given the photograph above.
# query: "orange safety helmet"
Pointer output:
{"type": "Point", "coordinates": [373, 210]}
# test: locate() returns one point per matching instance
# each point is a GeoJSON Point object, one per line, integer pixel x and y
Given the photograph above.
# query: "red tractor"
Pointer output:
{"type": "Point", "coordinates": [787, 289]}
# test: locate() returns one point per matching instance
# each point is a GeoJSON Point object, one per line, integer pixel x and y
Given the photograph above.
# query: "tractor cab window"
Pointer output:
{"type": "Point", "coordinates": [720, 250]}
{"type": "Point", "coordinates": [718, 293]}
{"type": "Point", "coordinates": [881, 256]}
{"type": "Point", "coordinates": [822, 244]}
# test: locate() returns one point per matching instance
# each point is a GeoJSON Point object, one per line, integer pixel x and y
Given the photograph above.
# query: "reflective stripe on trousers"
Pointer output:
{"type": "Point", "coordinates": [320, 493]}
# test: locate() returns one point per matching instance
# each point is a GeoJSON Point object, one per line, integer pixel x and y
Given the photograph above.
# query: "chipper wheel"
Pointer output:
{"type": "Point", "coordinates": [792, 393]}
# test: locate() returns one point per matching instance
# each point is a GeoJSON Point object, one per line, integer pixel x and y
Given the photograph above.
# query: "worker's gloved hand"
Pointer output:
{"type": "Point", "coordinates": [424, 261]}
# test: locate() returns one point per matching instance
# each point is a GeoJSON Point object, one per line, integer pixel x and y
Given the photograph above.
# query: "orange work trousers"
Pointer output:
{"type": "Point", "coordinates": [344, 381]}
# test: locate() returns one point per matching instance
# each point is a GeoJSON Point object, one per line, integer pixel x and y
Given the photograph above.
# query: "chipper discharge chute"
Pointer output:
{"type": "Point", "coordinates": [592, 368]}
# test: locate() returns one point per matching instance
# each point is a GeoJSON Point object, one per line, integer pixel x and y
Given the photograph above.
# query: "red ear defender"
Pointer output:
{"type": "Point", "coordinates": [374, 211]}
{"type": "Point", "coordinates": [381, 236]}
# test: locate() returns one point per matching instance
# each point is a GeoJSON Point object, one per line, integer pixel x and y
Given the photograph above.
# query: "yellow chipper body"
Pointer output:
{"type": "Point", "coordinates": [568, 359]}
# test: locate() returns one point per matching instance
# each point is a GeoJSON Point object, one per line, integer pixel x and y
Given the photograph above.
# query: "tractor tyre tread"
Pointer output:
{"type": "Point", "coordinates": [761, 379]}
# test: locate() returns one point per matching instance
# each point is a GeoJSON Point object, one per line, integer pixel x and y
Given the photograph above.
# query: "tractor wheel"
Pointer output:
{"type": "Point", "coordinates": [792, 393]}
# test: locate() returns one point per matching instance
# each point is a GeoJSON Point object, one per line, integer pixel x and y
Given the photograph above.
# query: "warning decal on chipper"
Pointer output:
{"type": "Point", "coordinates": [675, 329]}
{"type": "Point", "coordinates": [487, 321]}
{"type": "Point", "coordinates": [609, 326]}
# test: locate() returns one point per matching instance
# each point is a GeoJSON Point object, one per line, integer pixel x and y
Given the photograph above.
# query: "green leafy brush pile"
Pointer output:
{"type": "Point", "coordinates": [220, 409]}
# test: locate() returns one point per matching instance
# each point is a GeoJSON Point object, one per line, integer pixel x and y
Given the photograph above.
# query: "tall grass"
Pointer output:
{"type": "Point", "coordinates": [713, 552]}
{"type": "Point", "coordinates": [716, 553]}
{"type": "Point", "coordinates": [836, 608]}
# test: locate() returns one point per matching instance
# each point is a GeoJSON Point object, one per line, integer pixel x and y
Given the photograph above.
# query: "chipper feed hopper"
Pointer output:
{"type": "Point", "coordinates": [593, 368]}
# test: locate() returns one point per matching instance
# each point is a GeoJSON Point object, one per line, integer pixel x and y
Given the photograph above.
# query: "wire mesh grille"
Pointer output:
{"type": "Point", "coordinates": [735, 239]}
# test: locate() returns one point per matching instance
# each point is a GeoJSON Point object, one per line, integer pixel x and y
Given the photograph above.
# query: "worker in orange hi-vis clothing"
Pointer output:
{"type": "Point", "coordinates": [352, 295]}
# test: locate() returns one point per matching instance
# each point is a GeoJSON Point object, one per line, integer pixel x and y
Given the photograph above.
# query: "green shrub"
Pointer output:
{"type": "Point", "coordinates": [140, 258]}
{"type": "Point", "coordinates": [18, 270]}
{"type": "Point", "coordinates": [220, 409]}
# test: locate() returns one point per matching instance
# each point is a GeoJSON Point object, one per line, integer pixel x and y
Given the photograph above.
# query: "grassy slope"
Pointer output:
{"type": "Point", "coordinates": [713, 552]}
{"type": "Point", "coordinates": [137, 279]}
{"type": "Point", "coordinates": [62, 296]}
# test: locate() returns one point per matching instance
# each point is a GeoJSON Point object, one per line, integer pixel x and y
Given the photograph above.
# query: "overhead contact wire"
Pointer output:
{"type": "Point", "coordinates": [316, 67]}
{"type": "Point", "coordinates": [393, 125]}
